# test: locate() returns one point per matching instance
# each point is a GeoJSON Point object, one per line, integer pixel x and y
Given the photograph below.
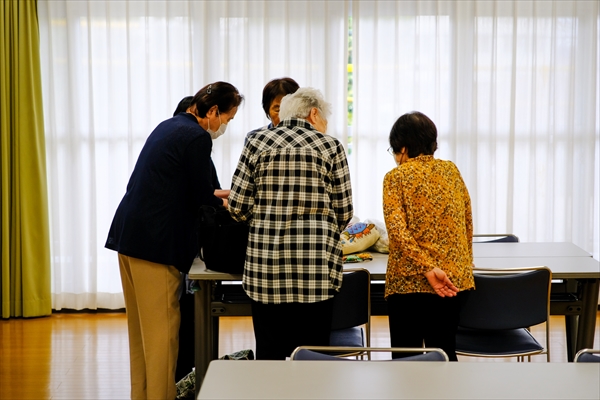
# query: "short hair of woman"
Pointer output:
{"type": "Point", "coordinates": [299, 104]}
{"type": "Point", "coordinates": [277, 87]}
{"type": "Point", "coordinates": [183, 105]}
{"type": "Point", "coordinates": [416, 132]}
{"type": "Point", "coordinates": [222, 94]}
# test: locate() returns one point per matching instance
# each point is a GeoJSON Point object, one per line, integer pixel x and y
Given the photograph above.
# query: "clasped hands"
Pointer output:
{"type": "Point", "coordinates": [440, 282]}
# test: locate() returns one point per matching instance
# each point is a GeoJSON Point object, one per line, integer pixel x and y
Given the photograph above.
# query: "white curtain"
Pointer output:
{"type": "Point", "coordinates": [112, 70]}
{"type": "Point", "coordinates": [513, 87]}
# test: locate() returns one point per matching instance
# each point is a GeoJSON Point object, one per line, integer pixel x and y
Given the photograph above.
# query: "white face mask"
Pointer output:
{"type": "Point", "coordinates": [218, 132]}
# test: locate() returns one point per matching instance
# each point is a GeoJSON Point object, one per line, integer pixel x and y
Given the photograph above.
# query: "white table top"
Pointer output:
{"type": "Point", "coordinates": [526, 249]}
{"type": "Point", "coordinates": [561, 267]}
{"type": "Point", "coordinates": [565, 260]}
{"type": "Point", "coordinates": [399, 380]}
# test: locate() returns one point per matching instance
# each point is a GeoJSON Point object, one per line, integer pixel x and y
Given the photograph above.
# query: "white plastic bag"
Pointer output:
{"type": "Point", "coordinates": [382, 245]}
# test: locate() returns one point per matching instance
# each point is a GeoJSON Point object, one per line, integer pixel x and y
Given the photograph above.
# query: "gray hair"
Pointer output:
{"type": "Point", "coordinates": [299, 104]}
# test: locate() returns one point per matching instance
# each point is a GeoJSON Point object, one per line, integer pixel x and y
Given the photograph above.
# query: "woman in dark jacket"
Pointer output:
{"type": "Point", "coordinates": [153, 231]}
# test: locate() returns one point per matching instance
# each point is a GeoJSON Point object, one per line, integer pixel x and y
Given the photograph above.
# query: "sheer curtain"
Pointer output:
{"type": "Point", "coordinates": [112, 70]}
{"type": "Point", "coordinates": [513, 87]}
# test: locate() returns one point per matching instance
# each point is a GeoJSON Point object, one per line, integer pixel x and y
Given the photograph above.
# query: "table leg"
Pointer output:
{"type": "Point", "coordinates": [204, 331]}
{"type": "Point", "coordinates": [215, 336]}
{"type": "Point", "coordinates": [587, 319]}
{"type": "Point", "coordinates": [571, 323]}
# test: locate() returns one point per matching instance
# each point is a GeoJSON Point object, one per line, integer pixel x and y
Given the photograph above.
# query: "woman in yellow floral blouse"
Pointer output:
{"type": "Point", "coordinates": [427, 212]}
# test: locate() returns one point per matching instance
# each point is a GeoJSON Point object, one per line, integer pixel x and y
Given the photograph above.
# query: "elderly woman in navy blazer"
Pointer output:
{"type": "Point", "coordinates": [153, 231]}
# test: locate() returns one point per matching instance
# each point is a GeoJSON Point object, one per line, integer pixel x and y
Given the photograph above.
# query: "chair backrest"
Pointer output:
{"type": "Point", "coordinates": [430, 355]}
{"type": "Point", "coordinates": [499, 238]}
{"type": "Point", "coordinates": [587, 356]}
{"type": "Point", "coordinates": [507, 299]}
{"type": "Point", "coordinates": [315, 353]}
{"type": "Point", "coordinates": [352, 305]}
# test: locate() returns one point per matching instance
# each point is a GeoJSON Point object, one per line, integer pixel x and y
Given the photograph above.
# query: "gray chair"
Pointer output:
{"type": "Point", "coordinates": [587, 356]}
{"type": "Point", "coordinates": [336, 353]}
{"type": "Point", "coordinates": [495, 238]}
{"type": "Point", "coordinates": [495, 317]}
{"type": "Point", "coordinates": [350, 326]}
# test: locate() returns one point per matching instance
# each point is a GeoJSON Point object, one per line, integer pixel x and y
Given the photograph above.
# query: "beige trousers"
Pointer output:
{"type": "Point", "coordinates": [152, 305]}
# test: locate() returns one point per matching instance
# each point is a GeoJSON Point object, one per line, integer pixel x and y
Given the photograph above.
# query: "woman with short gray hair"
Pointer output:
{"type": "Point", "coordinates": [292, 186]}
{"type": "Point", "coordinates": [299, 104]}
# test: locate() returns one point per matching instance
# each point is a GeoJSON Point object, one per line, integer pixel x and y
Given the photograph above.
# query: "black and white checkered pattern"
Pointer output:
{"type": "Point", "coordinates": [292, 184]}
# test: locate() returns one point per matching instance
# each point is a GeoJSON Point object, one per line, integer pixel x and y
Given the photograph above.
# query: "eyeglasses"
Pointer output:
{"type": "Point", "coordinates": [391, 151]}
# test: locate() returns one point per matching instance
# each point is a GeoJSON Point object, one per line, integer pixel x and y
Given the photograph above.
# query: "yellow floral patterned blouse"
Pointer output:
{"type": "Point", "coordinates": [427, 212]}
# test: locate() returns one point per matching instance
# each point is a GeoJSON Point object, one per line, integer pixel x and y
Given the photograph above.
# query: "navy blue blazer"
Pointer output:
{"type": "Point", "coordinates": [173, 176]}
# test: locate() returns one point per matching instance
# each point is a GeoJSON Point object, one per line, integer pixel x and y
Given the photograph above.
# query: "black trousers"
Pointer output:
{"type": "Point", "coordinates": [418, 319]}
{"type": "Point", "coordinates": [280, 328]}
{"type": "Point", "coordinates": [186, 356]}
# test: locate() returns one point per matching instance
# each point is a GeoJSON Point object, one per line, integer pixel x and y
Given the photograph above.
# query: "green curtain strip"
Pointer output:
{"type": "Point", "coordinates": [24, 220]}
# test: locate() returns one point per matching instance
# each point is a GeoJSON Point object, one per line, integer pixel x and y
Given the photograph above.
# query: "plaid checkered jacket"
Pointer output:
{"type": "Point", "coordinates": [292, 185]}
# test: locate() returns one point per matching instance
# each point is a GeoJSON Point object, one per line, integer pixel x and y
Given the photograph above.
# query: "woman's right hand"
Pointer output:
{"type": "Point", "coordinates": [440, 282]}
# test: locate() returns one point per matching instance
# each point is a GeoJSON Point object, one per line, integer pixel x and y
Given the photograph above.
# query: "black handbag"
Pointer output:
{"type": "Point", "coordinates": [222, 241]}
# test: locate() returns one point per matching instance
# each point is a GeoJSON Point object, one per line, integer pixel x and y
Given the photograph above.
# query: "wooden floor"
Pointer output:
{"type": "Point", "coordinates": [85, 356]}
